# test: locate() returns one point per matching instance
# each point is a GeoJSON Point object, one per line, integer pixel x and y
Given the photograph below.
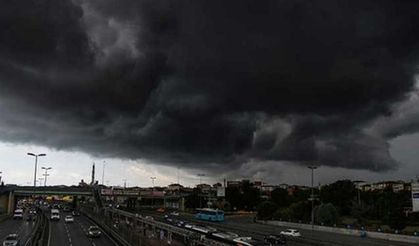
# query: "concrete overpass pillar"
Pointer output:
{"type": "Point", "coordinates": [11, 203]}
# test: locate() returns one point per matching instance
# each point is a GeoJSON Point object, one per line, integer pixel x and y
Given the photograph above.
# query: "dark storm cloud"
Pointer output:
{"type": "Point", "coordinates": [199, 82]}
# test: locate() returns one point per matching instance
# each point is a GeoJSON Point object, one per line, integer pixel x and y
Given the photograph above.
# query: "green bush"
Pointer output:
{"type": "Point", "coordinates": [266, 210]}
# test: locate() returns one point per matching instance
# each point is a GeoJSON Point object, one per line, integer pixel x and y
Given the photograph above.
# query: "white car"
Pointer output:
{"type": "Point", "coordinates": [69, 219]}
{"type": "Point", "coordinates": [11, 240]}
{"type": "Point", "coordinates": [149, 217]}
{"type": "Point", "coordinates": [174, 213]}
{"type": "Point", "coordinates": [291, 233]}
{"type": "Point", "coordinates": [188, 226]}
{"type": "Point", "coordinates": [18, 214]}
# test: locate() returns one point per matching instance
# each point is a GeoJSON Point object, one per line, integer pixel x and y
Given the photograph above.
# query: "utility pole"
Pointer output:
{"type": "Point", "coordinates": [200, 175]}
{"type": "Point", "coordinates": [36, 166]}
{"type": "Point", "coordinates": [152, 191]}
{"type": "Point", "coordinates": [46, 174]}
{"type": "Point", "coordinates": [93, 175]}
{"type": "Point", "coordinates": [103, 172]}
{"type": "Point", "coordinates": [312, 194]}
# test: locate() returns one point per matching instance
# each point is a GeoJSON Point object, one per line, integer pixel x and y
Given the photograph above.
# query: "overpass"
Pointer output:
{"type": "Point", "coordinates": [9, 193]}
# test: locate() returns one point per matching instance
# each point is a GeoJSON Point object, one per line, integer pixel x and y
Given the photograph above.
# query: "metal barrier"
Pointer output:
{"type": "Point", "coordinates": [137, 230]}
{"type": "Point", "coordinates": [39, 235]}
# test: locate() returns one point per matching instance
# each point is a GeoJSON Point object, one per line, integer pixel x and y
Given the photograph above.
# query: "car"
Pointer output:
{"type": "Point", "coordinates": [275, 240]}
{"type": "Point", "coordinates": [68, 219]}
{"type": "Point", "coordinates": [55, 214]}
{"type": "Point", "coordinates": [174, 213]}
{"type": "Point", "coordinates": [93, 231]}
{"type": "Point", "coordinates": [180, 223]}
{"type": "Point", "coordinates": [11, 240]}
{"type": "Point", "coordinates": [149, 217]}
{"type": "Point", "coordinates": [291, 233]}
{"type": "Point", "coordinates": [66, 209]}
{"type": "Point", "coordinates": [188, 226]}
{"type": "Point", "coordinates": [18, 214]}
{"type": "Point", "coordinates": [75, 213]}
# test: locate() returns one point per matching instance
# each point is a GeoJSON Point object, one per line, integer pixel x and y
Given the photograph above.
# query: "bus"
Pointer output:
{"type": "Point", "coordinates": [209, 214]}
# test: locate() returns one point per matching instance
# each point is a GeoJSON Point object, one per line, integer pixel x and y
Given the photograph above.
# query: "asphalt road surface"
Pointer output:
{"type": "Point", "coordinates": [244, 226]}
{"type": "Point", "coordinates": [245, 223]}
{"type": "Point", "coordinates": [69, 234]}
{"type": "Point", "coordinates": [21, 227]}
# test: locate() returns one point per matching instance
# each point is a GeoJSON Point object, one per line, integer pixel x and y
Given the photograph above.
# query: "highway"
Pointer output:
{"type": "Point", "coordinates": [244, 226]}
{"type": "Point", "coordinates": [69, 234]}
{"type": "Point", "coordinates": [21, 227]}
{"type": "Point", "coordinates": [309, 237]}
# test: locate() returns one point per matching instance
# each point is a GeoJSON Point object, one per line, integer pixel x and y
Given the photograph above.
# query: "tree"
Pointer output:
{"type": "Point", "coordinates": [340, 194]}
{"type": "Point", "coordinates": [283, 214]}
{"type": "Point", "coordinates": [281, 197]}
{"type": "Point", "coordinates": [326, 214]}
{"type": "Point", "coordinates": [192, 201]}
{"type": "Point", "coordinates": [266, 210]}
{"type": "Point", "coordinates": [250, 196]}
{"type": "Point", "coordinates": [301, 210]}
{"type": "Point", "coordinates": [233, 196]}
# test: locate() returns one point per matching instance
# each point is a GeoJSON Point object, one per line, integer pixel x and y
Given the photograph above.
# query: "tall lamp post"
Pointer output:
{"type": "Point", "coordinates": [200, 175]}
{"type": "Point", "coordinates": [0, 177]}
{"type": "Point", "coordinates": [46, 174]}
{"type": "Point", "coordinates": [312, 194]}
{"type": "Point", "coordinates": [152, 193]}
{"type": "Point", "coordinates": [103, 172]}
{"type": "Point", "coordinates": [36, 165]}
{"type": "Point", "coordinates": [40, 181]}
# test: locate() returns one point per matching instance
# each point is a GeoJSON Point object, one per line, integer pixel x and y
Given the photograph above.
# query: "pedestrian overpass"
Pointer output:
{"type": "Point", "coordinates": [8, 194]}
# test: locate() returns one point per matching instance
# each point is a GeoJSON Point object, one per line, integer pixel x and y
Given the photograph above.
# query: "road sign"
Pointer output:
{"type": "Point", "coordinates": [221, 191]}
{"type": "Point", "coordinates": [415, 197]}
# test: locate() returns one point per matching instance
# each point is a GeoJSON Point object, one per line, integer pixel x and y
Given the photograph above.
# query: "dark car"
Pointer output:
{"type": "Point", "coordinates": [93, 231]}
{"type": "Point", "coordinates": [75, 213]}
{"type": "Point", "coordinates": [275, 240]}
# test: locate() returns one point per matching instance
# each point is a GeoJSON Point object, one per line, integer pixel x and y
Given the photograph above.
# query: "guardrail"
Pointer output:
{"type": "Point", "coordinates": [350, 232]}
{"type": "Point", "coordinates": [118, 240]}
{"type": "Point", "coordinates": [39, 234]}
{"type": "Point", "coordinates": [4, 217]}
{"type": "Point", "coordinates": [139, 231]}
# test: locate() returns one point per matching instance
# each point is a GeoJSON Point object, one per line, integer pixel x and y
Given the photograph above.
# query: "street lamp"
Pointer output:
{"type": "Point", "coordinates": [312, 194]}
{"type": "Point", "coordinates": [40, 181]}
{"type": "Point", "coordinates": [36, 165]}
{"type": "Point", "coordinates": [46, 174]}
{"type": "Point", "coordinates": [200, 175]}
{"type": "Point", "coordinates": [0, 177]}
{"type": "Point", "coordinates": [152, 194]}
{"type": "Point", "coordinates": [103, 172]}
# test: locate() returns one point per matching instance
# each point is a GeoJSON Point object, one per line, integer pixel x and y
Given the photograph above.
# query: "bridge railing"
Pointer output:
{"type": "Point", "coordinates": [39, 234]}
{"type": "Point", "coordinates": [134, 230]}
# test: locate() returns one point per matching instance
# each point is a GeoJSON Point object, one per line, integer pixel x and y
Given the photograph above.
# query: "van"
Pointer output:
{"type": "Point", "coordinates": [18, 214]}
{"type": "Point", "coordinates": [55, 214]}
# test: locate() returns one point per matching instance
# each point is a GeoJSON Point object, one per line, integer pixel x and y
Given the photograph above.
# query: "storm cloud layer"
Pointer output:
{"type": "Point", "coordinates": [211, 82]}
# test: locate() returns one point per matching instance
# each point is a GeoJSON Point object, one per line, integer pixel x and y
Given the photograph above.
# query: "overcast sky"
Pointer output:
{"type": "Point", "coordinates": [238, 89]}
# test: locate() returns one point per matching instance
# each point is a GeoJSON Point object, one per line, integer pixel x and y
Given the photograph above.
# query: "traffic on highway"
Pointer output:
{"type": "Point", "coordinates": [70, 226]}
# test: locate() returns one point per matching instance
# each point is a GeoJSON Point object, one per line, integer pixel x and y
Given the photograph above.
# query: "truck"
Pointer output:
{"type": "Point", "coordinates": [55, 214]}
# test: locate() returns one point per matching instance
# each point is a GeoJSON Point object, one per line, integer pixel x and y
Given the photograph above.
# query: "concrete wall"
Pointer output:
{"type": "Point", "coordinates": [351, 232]}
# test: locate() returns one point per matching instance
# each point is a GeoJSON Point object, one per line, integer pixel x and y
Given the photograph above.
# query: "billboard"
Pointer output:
{"type": "Point", "coordinates": [415, 197]}
{"type": "Point", "coordinates": [221, 191]}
